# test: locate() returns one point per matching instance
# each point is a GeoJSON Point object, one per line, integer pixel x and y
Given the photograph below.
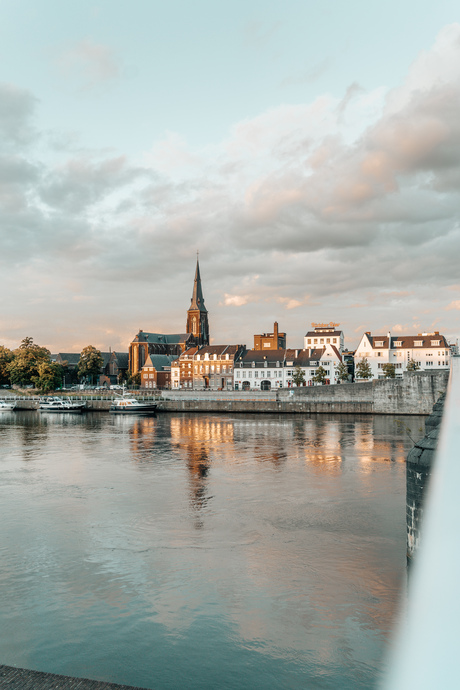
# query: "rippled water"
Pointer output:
{"type": "Point", "coordinates": [202, 551]}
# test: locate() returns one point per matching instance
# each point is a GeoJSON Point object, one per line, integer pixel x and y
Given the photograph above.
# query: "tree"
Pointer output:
{"type": "Point", "coordinates": [6, 356]}
{"type": "Point", "coordinates": [49, 377]}
{"type": "Point", "coordinates": [320, 375]}
{"type": "Point", "coordinates": [342, 371]}
{"type": "Point", "coordinates": [90, 363]}
{"type": "Point", "coordinates": [298, 376]}
{"type": "Point", "coordinates": [27, 358]}
{"type": "Point", "coordinates": [363, 370]}
{"type": "Point", "coordinates": [412, 365]}
{"type": "Point", "coordinates": [389, 371]}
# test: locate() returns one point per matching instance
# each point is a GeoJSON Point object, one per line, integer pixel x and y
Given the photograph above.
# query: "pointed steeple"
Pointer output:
{"type": "Point", "coordinates": [197, 314]}
{"type": "Point", "coordinates": [197, 301]}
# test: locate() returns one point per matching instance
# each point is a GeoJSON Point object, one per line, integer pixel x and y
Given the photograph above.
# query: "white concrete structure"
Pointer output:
{"type": "Point", "coordinates": [429, 350]}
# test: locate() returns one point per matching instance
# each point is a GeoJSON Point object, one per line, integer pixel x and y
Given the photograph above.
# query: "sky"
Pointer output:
{"type": "Point", "coordinates": [309, 151]}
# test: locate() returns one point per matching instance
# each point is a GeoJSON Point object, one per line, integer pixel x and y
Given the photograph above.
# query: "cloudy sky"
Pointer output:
{"type": "Point", "coordinates": [309, 150]}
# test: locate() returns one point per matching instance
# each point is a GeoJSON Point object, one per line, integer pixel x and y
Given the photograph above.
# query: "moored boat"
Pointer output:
{"type": "Point", "coordinates": [7, 405]}
{"type": "Point", "coordinates": [55, 404]}
{"type": "Point", "coordinates": [125, 405]}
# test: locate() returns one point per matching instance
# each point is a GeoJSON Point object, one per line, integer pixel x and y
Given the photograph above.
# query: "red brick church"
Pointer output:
{"type": "Point", "coordinates": [146, 344]}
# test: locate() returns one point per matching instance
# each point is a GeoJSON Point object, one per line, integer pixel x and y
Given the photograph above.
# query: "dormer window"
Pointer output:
{"type": "Point", "coordinates": [398, 343]}
{"type": "Point", "coordinates": [435, 343]}
{"type": "Point", "coordinates": [198, 356]}
{"type": "Point", "coordinates": [418, 343]}
{"type": "Point", "coordinates": [379, 343]}
{"type": "Point", "coordinates": [215, 357]}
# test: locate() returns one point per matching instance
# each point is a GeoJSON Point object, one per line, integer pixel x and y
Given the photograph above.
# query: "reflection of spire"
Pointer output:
{"type": "Point", "coordinates": [197, 301]}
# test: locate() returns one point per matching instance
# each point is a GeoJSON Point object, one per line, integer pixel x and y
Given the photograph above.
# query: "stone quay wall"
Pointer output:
{"type": "Point", "coordinates": [415, 393]}
{"type": "Point", "coordinates": [419, 465]}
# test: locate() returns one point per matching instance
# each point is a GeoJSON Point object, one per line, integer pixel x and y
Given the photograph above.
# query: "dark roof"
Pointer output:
{"type": "Point", "coordinates": [122, 359]}
{"type": "Point", "coordinates": [322, 334]}
{"type": "Point", "coordinates": [161, 338]}
{"type": "Point", "coordinates": [159, 361]}
{"type": "Point", "coordinates": [407, 341]}
{"type": "Point", "coordinates": [197, 301]}
{"type": "Point", "coordinates": [72, 358]}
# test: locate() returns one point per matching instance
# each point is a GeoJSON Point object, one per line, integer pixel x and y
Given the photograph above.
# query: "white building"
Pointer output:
{"type": "Point", "coordinates": [324, 334]}
{"type": "Point", "coordinates": [430, 351]}
{"type": "Point", "coordinates": [272, 369]}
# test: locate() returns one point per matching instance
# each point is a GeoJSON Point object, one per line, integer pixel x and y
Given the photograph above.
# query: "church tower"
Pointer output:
{"type": "Point", "coordinates": [197, 315]}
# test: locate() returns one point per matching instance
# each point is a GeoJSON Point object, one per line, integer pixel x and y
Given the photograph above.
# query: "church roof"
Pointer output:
{"type": "Point", "coordinates": [161, 338]}
{"type": "Point", "coordinates": [197, 301]}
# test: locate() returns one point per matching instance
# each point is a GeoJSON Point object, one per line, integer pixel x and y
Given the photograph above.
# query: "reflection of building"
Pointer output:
{"type": "Point", "coordinates": [270, 341]}
{"type": "Point", "coordinates": [197, 333]}
{"type": "Point", "coordinates": [430, 351]}
{"type": "Point", "coordinates": [324, 334]}
{"type": "Point", "coordinates": [210, 366]}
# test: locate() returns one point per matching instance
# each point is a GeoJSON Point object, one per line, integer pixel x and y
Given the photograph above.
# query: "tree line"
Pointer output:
{"type": "Point", "coordinates": [31, 365]}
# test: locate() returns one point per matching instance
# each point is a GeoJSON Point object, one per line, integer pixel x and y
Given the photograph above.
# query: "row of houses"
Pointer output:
{"type": "Point", "coordinates": [165, 361]}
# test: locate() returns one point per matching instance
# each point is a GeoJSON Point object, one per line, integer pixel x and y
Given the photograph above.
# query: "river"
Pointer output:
{"type": "Point", "coordinates": [202, 551]}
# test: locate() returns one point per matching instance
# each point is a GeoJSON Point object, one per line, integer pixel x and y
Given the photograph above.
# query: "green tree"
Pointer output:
{"type": "Point", "coordinates": [412, 365]}
{"type": "Point", "coordinates": [342, 371]}
{"type": "Point", "coordinates": [363, 370]}
{"type": "Point", "coordinates": [27, 358]}
{"type": "Point", "coordinates": [298, 376]}
{"type": "Point", "coordinates": [90, 363]}
{"type": "Point", "coordinates": [49, 377]}
{"type": "Point", "coordinates": [389, 371]}
{"type": "Point", "coordinates": [320, 375]}
{"type": "Point", "coordinates": [6, 356]}
{"type": "Point", "coordinates": [136, 379]}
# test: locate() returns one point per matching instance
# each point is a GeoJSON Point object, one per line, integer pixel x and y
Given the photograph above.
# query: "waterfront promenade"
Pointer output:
{"type": "Point", "coordinates": [20, 679]}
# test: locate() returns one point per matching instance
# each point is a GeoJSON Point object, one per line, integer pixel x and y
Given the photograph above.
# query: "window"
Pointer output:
{"type": "Point", "coordinates": [249, 374]}
{"type": "Point", "coordinates": [309, 341]}
{"type": "Point", "coordinates": [378, 354]}
{"type": "Point", "coordinates": [224, 368]}
{"type": "Point", "coordinates": [434, 343]}
{"type": "Point", "coordinates": [253, 364]}
{"type": "Point", "coordinates": [244, 374]}
{"type": "Point", "coordinates": [256, 374]}
{"type": "Point", "coordinates": [268, 373]}
{"type": "Point", "coordinates": [379, 343]}
{"type": "Point", "coordinates": [418, 343]}
{"type": "Point", "coordinates": [398, 343]}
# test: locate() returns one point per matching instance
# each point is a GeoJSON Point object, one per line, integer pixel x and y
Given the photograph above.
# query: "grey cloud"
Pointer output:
{"type": "Point", "coordinates": [17, 110]}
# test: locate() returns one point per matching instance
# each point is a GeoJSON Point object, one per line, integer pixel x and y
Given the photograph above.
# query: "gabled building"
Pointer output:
{"type": "Point", "coordinates": [206, 367]}
{"type": "Point", "coordinates": [272, 369]}
{"type": "Point", "coordinates": [429, 350]}
{"type": "Point", "coordinates": [156, 372]}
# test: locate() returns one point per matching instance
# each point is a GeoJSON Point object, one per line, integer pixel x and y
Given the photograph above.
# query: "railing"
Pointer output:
{"type": "Point", "coordinates": [426, 647]}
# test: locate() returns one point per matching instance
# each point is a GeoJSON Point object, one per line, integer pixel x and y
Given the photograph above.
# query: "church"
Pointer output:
{"type": "Point", "coordinates": [172, 345]}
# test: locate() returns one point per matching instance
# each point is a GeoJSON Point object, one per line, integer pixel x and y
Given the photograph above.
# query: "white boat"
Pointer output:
{"type": "Point", "coordinates": [7, 406]}
{"type": "Point", "coordinates": [55, 404]}
{"type": "Point", "coordinates": [125, 405]}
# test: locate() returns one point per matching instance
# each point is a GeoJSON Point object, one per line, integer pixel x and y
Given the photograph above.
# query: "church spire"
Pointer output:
{"type": "Point", "coordinates": [197, 314]}
{"type": "Point", "coordinates": [197, 301]}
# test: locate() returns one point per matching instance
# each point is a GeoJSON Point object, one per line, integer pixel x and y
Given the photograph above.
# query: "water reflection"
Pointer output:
{"type": "Point", "coordinates": [202, 550]}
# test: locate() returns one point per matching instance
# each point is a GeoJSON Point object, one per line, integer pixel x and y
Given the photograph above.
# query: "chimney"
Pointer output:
{"type": "Point", "coordinates": [275, 332]}
{"type": "Point", "coordinates": [296, 353]}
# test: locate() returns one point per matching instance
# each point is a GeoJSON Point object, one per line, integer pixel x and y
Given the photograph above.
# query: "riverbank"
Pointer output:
{"type": "Point", "coordinates": [414, 394]}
